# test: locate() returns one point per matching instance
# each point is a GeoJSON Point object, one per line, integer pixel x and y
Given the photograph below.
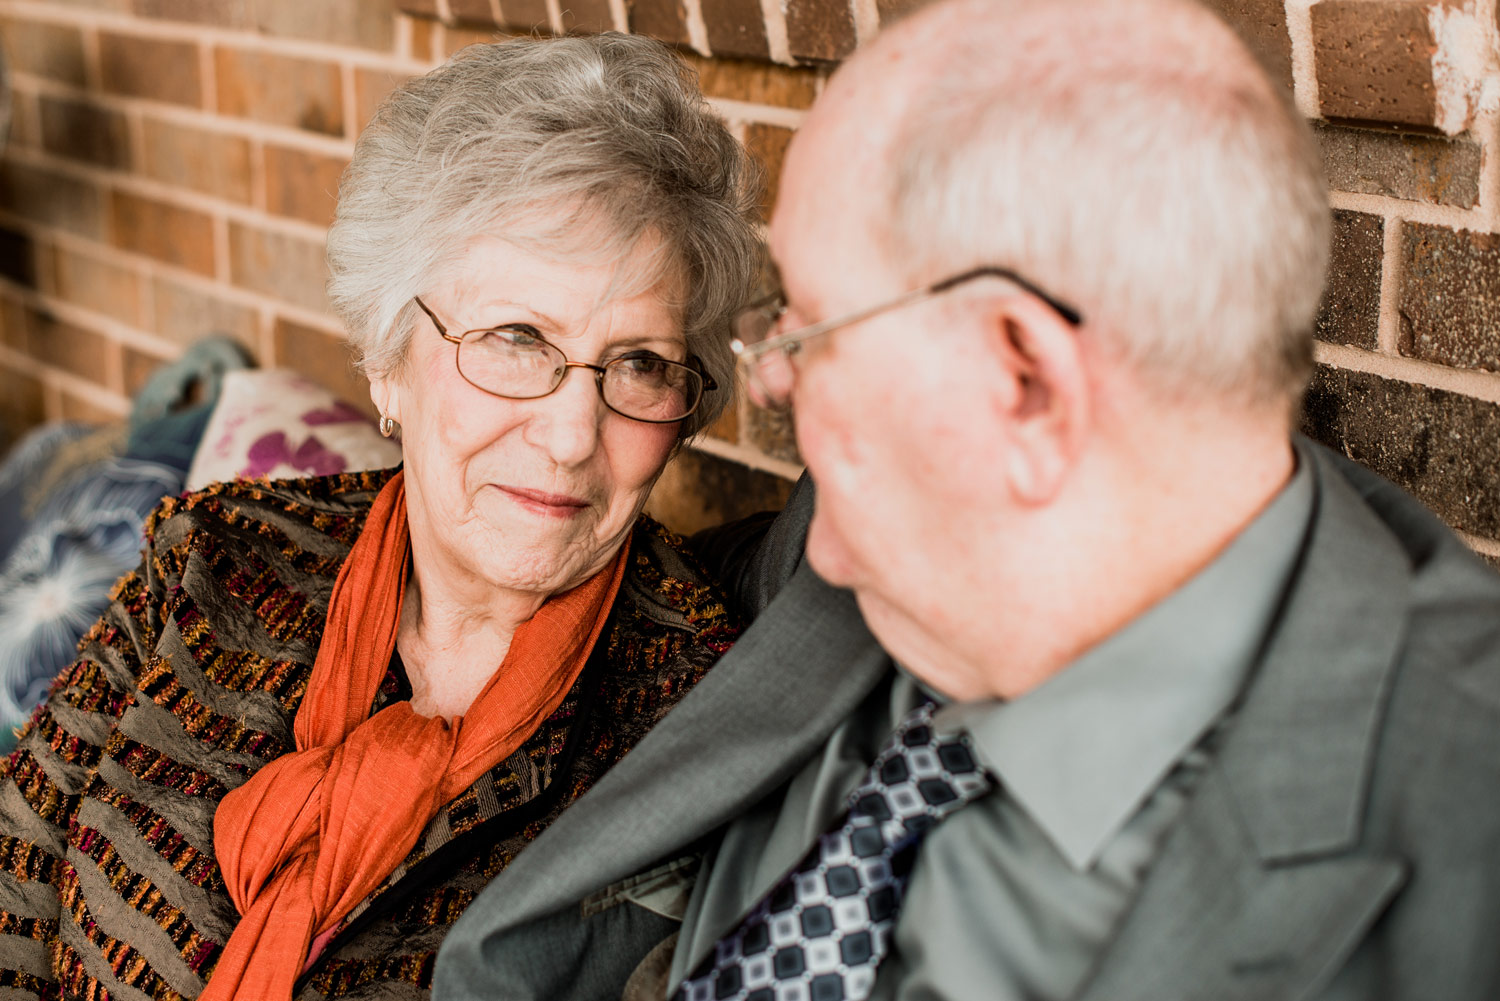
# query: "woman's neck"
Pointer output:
{"type": "Point", "coordinates": [454, 634]}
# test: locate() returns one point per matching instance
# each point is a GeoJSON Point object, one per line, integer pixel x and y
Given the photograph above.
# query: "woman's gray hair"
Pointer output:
{"type": "Point", "coordinates": [610, 129]}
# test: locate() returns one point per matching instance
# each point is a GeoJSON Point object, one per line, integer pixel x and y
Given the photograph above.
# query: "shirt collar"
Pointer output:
{"type": "Point", "coordinates": [1082, 752]}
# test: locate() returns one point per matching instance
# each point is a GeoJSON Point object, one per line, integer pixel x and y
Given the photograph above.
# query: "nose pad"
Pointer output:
{"type": "Point", "coordinates": [565, 423]}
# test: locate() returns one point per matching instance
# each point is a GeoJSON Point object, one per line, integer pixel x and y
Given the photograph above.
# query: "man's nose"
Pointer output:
{"type": "Point", "coordinates": [772, 380]}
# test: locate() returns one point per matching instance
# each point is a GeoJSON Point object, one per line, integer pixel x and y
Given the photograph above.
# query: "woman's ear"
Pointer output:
{"type": "Point", "coordinates": [386, 396]}
{"type": "Point", "coordinates": [1043, 396]}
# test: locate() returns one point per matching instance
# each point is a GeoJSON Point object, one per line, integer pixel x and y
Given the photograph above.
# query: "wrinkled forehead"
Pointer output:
{"type": "Point", "coordinates": [637, 257]}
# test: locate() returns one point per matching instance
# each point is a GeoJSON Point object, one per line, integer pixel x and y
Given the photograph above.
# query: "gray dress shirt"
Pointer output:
{"type": "Point", "coordinates": [1016, 896]}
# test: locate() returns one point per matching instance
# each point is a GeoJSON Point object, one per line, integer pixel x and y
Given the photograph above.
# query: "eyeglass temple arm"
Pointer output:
{"type": "Point", "coordinates": [1073, 316]}
{"type": "Point", "coordinates": [442, 330]}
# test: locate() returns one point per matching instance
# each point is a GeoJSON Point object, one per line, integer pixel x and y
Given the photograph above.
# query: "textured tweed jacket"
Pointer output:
{"type": "Point", "coordinates": [189, 684]}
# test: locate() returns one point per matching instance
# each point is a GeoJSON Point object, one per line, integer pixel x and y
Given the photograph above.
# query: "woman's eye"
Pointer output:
{"type": "Point", "coordinates": [644, 363]}
{"type": "Point", "coordinates": [511, 338]}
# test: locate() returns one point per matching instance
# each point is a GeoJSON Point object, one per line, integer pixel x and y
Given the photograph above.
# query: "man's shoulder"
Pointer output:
{"type": "Point", "coordinates": [1452, 597]}
{"type": "Point", "coordinates": [1439, 724]}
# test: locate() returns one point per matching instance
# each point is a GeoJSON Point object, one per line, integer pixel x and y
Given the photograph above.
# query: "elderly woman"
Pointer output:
{"type": "Point", "coordinates": [324, 713]}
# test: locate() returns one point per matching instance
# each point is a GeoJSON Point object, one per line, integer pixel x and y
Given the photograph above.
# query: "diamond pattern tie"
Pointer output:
{"type": "Point", "coordinates": [822, 930]}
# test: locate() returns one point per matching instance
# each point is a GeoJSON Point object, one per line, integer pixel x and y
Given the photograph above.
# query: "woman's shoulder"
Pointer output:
{"type": "Point", "coordinates": [668, 585]}
{"type": "Point", "coordinates": [319, 515]}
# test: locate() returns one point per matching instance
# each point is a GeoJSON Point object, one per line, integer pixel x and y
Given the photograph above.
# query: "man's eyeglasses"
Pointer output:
{"type": "Point", "coordinates": [767, 356]}
{"type": "Point", "coordinates": [515, 362]}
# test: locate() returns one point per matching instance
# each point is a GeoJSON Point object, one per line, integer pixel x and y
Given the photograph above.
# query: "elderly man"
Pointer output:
{"type": "Point", "coordinates": [1167, 702]}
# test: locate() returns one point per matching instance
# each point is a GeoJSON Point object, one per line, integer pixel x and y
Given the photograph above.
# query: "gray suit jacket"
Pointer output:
{"type": "Point", "coordinates": [1344, 844]}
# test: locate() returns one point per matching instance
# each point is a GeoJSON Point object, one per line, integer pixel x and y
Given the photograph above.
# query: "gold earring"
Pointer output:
{"type": "Point", "coordinates": [387, 426]}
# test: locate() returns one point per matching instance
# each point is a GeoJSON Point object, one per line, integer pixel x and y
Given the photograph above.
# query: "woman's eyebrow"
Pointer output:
{"type": "Point", "coordinates": [654, 339]}
{"type": "Point", "coordinates": [495, 304]}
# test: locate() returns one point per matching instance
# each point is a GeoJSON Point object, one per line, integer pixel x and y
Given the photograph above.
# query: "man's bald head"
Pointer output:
{"type": "Point", "coordinates": [1128, 155]}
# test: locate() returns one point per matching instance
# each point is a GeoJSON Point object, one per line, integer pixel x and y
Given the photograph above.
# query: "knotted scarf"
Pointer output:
{"type": "Point", "coordinates": [314, 832]}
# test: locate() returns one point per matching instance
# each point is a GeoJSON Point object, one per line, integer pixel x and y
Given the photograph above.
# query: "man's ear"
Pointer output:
{"type": "Point", "coordinates": [1043, 396]}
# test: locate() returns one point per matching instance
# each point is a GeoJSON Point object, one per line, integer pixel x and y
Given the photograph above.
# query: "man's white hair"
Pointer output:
{"type": "Point", "coordinates": [1131, 158]}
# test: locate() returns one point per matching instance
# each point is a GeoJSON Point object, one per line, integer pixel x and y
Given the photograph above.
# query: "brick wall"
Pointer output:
{"type": "Point", "coordinates": [172, 167]}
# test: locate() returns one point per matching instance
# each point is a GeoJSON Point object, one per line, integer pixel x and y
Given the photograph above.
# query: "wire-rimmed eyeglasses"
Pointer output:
{"type": "Point", "coordinates": [767, 356]}
{"type": "Point", "coordinates": [514, 361]}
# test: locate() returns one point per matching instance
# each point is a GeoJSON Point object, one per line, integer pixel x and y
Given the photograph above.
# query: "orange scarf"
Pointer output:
{"type": "Point", "coordinates": [314, 832]}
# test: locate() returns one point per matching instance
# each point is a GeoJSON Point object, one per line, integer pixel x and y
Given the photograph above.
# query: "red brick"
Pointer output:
{"type": "Point", "coordinates": [139, 367]}
{"type": "Point", "coordinates": [214, 163]}
{"type": "Point", "coordinates": [218, 13]}
{"type": "Point", "coordinates": [83, 131]}
{"type": "Point", "coordinates": [894, 10]}
{"type": "Point", "coordinates": [325, 358]}
{"type": "Point", "coordinates": [1442, 446]}
{"type": "Point", "coordinates": [282, 90]}
{"type": "Point", "coordinates": [819, 29]}
{"type": "Point", "coordinates": [303, 184]}
{"type": "Point", "coordinates": [756, 82]}
{"type": "Point", "coordinates": [117, 6]}
{"type": "Point", "coordinates": [423, 38]}
{"type": "Point", "coordinates": [727, 427]}
{"type": "Point", "coordinates": [25, 130]}
{"type": "Point", "coordinates": [371, 88]}
{"type": "Point", "coordinates": [51, 50]}
{"type": "Point", "coordinates": [286, 267]}
{"type": "Point", "coordinates": [151, 68]}
{"type": "Point", "coordinates": [98, 285]}
{"type": "Point", "coordinates": [18, 257]}
{"type": "Point", "coordinates": [51, 199]}
{"type": "Point", "coordinates": [1262, 24]}
{"type": "Point", "coordinates": [12, 322]}
{"type": "Point", "coordinates": [1413, 167]}
{"type": "Point", "coordinates": [524, 15]}
{"type": "Point", "coordinates": [591, 16]}
{"type": "Point", "coordinates": [472, 11]}
{"type": "Point", "coordinates": [455, 39]}
{"type": "Point", "coordinates": [81, 352]}
{"type": "Point", "coordinates": [774, 434]}
{"type": "Point", "coordinates": [86, 409]}
{"type": "Point", "coordinates": [698, 490]}
{"type": "Point", "coordinates": [768, 143]}
{"type": "Point", "coordinates": [1450, 296]}
{"type": "Point", "coordinates": [1350, 311]}
{"type": "Point", "coordinates": [368, 24]}
{"type": "Point", "coordinates": [736, 28]}
{"type": "Point", "coordinates": [21, 405]}
{"type": "Point", "coordinates": [1374, 61]}
{"type": "Point", "coordinates": [169, 233]}
{"type": "Point", "coordinates": [663, 19]}
{"type": "Point", "coordinates": [185, 314]}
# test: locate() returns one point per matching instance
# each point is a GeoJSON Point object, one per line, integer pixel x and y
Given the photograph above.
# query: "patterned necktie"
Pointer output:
{"type": "Point", "coordinates": [822, 930]}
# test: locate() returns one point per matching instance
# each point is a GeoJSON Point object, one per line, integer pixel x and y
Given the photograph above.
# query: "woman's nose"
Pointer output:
{"type": "Point", "coordinates": [565, 423]}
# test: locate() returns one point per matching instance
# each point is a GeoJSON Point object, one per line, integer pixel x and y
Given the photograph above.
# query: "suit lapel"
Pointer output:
{"type": "Point", "coordinates": [1214, 922]}
{"type": "Point", "coordinates": [756, 717]}
{"type": "Point", "coordinates": [1261, 890]}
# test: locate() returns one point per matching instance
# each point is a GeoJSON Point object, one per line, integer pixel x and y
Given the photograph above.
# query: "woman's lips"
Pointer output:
{"type": "Point", "coordinates": [541, 502]}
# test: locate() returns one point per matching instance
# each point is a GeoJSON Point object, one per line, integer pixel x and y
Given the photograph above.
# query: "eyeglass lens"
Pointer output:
{"type": "Point", "coordinates": [521, 366]}
{"type": "Point", "coordinates": [769, 374]}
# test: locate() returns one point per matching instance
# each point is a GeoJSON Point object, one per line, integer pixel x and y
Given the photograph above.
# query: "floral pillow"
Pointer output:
{"type": "Point", "coordinates": [278, 424]}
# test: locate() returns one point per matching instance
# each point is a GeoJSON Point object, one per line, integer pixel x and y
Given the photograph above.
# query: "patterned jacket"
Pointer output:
{"type": "Point", "coordinates": [189, 684]}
